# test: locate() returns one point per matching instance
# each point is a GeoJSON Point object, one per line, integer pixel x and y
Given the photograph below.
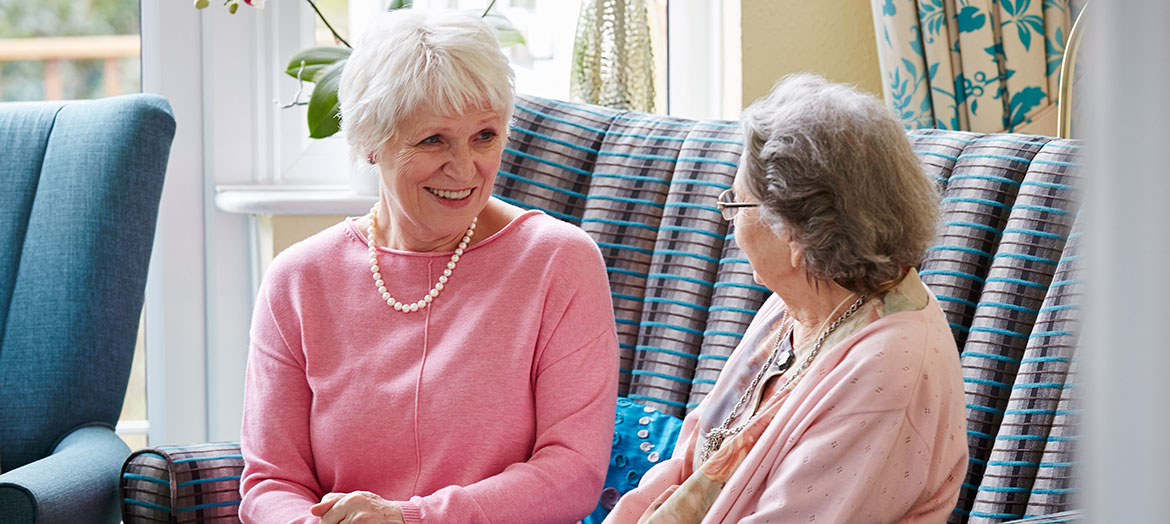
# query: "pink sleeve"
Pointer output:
{"type": "Point", "coordinates": [575, 391]}
{"type": "Point", "coordinates": [278, 484]}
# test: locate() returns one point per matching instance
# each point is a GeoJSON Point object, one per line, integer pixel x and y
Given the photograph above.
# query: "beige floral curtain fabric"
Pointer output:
{"type": "Point", "coordinates": [977, 65]}
{"type": "Point", "coordinates": [613, 63]}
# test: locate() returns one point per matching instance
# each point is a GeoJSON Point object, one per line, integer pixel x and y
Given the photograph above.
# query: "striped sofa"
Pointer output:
{"type": "Point", "coordinates": [1005, 269]}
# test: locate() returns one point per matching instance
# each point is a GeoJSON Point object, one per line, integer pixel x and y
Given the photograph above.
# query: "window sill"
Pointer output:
{"type": "Point", "coordinates": [261, 199]}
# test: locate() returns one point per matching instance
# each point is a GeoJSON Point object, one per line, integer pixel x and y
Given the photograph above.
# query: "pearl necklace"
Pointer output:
{"type": "Point", "coordinates": [434, 292]}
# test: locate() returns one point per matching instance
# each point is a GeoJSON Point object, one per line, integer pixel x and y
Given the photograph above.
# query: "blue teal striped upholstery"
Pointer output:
{"type": "Point", "coordinates": [1004, 269]}
{"type": "Point", "coordinates": [182, 484]}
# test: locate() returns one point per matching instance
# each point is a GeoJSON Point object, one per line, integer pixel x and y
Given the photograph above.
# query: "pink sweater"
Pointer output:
{"type": "Point", "coordinates": [874, 433]}
{"type": "Point", "coordinates": [495, 404]}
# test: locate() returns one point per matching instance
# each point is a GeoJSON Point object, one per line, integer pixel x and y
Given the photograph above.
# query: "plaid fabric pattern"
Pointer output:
{"type": "Point", "coordinates": [176, 484]}
{"type": "Point", "coordinates": [1064, 517]}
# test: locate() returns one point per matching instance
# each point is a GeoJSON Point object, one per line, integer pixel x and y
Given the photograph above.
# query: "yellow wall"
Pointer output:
{"type": "Point", "coordinates": [833, 38]}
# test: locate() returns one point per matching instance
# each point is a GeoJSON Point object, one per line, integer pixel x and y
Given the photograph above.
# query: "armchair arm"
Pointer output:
{"type": "Point", "coordinates": [77, 483]}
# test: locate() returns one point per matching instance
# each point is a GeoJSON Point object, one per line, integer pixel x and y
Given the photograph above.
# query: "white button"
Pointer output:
{"type": "Point", "coordinates": [648, 409]}
{"type": "Point", "coordinates": [644, 421]}
{"type": "Point", "coordinates": [646, 446]}
{"type": "Point", "coordinates": [653, 456]}
{"type": "Point", "coordinates": [643, 433]}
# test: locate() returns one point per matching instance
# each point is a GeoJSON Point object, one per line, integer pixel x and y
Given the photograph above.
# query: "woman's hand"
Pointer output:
{"type": "Point", "coordinates": [357, 507]}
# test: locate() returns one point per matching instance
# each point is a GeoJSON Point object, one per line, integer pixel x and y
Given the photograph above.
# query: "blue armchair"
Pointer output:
{"type": "Point", "coordinates": [81, 188]}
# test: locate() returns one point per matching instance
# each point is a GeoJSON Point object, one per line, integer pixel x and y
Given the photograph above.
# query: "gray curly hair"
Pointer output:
{"type": "Point", "coordinates": [832, 166]}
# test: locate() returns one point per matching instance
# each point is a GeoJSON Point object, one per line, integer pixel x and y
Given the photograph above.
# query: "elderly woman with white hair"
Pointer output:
{"type": "Point", "coordinates": [447, 357]}
{"type": "Point", "coordinates": [844, 400]}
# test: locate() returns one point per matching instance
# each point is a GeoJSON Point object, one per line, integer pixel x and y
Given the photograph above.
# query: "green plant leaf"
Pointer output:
{"type": "Point", "coordinates": [323, 104]}
{"type": "Point", "coordinates": [400, 4]}
{"type": "Point", "coordinates": [316, 59]}
{"type": "Point", "coordinates": [506, 32]}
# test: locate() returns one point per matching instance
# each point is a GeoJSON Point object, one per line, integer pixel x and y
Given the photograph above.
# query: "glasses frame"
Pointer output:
{"type": "Point", "coordinates": [730, 210]}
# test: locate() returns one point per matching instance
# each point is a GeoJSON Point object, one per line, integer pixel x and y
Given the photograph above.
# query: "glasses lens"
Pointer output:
{"type": "Point", "coordinates": [728, 197]}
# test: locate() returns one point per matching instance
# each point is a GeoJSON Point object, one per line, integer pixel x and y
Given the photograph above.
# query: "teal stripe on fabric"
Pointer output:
{"type": "Point", "coordinates": [1045, 209]}
{"type": "Point", "coordinates": [624, 247]}
{"type": "Point", "coordinates": [998, 157]}
{"type": "Point", "coordinates": [205, 481]}
{"type": "Point", "coordinates": [1030, 411]}
{"type": "Point", "coordinates": [640, 156]}
{"type": "Point", "coordinates": [1021, 282]}
{"type": "Point", "coordinates": [1021, 256]}
{"type": "Point", "coordinates": [1043, 385]}
{"type": "Point", "coordinates": [988, 178]}
{"type": "Point", "coordinates": [1048, 309]}
{"type": "Point", "coordinates": [1060, 283]}
{"type": "Point", "coordinates": [1056, 163]}
{"type": "Point", "coordinates": [981, 514]}
{"type": "Point", "coordinates": [581, 107]}
{"type": "Point", "coordinates": [679, 181]}
{"type": "Point", "coordinates": [627, 297]}
{"type": "Point", "coordinates": [626, 223]}
{"type": "Point", "coordinates": [527, 180]}
{"type": "Point", "coordinates": [665, 325]}
{"type": "Point", "coordinates": [944, 272]}
{"type": "Point", "coordinates": [667, 276]}
{"type": "Point", "coordinates": [1035, 360]}
{"type": "Point", "coordinates": [973, 226]}
{"type": "Point", "coordinates": [961, 249]}
{"type": "Point", "coordinates": [561, 120]}
{"type": "Point", "coordinates": [985, 382]}
{"type": "Point", "coordinates": [209, 505]}
{"type": "Point", "coordinates": [644, 373]}
{"type": "Point", "coordinates": [1034, 232]}
{"type": "Point", "coordinates": [634, 178]}
{"type": "Point", "coordinates": [1002, 489]}
{"type": "Point", "coordinates": [981, 201]}
{"type": "Point", "coordinates": [1055, 491]}
{"type": "Point", "coordinates": [1051, 185]}
{"type": "Point", "coordinates": [938, 179]}
{"type": "Point", "coordinates": [713, 140]}
{"type": "Point", "coordinates": [941, 137]}
{"type": "Point", "coordinates": [953, 325]}
{"type": "Point", "coordinates": [984, 409]}
{"type": "Point", "coordinates": [730, 260]}
{"type": "Point", "coordinates": [1057, 464]}
{"type": "Point", "coordinates": [730, 236]}
{"type": "Point", "coordinates": [627, 322]}
{"type": "Point", "coordinates": [724, 333]}
{"type": "Point", "coordinates": [1012, 463]}
{"type": "Point", "coordinates": [676, 252]}
{"type": "Point", "coordinates": [945, 298]}
{"type": "Point", "coordinates": [133, 502]}
{"type": "Point", "coordinates": [968, 485]}
{"type": "Point", "coordinates": [136, 476]}
{"type": "Point", "coordinates": [744, 286]}
{"type": "Point", "coordinates": [525, 205]}
{"type": "Point", "coordinates": [656, 399]}
{"type": "Point", "coordinates": [546, 161]}
{"type": "Point", "coordinates": [1025, 142]}
{"type": "Point", "coordinates": [627, 200]}
{"type": "Point", "coordinates": [977, 461]}
{"type": "Point", "coordinates": [658, 300]}
{"type": "Point", "coordinates": [1021, 437]}
{"type": "Point", "coordinates": [1078, 233]}
{"type": "Point", "coordinates": [201, 459]}
{"type": "Point", "coordinates": [1012, 307]}
{"type": "Point", "coordinates": [979, 434]}
{"type": "Point", "coordinates": [701, 160]}
{"type": "Point", "coordinates": [1072, 258]}
{"type": "Point", "coordinates": [989, 356]}
{"type": "Point", "coordinates": [153, 454]}
{"type": "Point", "coordinates": [689, 205]}
{"type": "Point", "coordinates": [932, 153]}
{"type": "Point", "coordinates": [554, 140]}
{"type": "Point", "coordinates": [703, 381]}
{"type": "Point", "coordinates": [714, 357]}
{"type": "Point", "coordinates": [626, 346]}
{"type": "Point", "coordinates": [657, 349]}
{"type": "Point", "coordinates": [200, 446]}
{"type": "Point", "coordinates": [745, 311]}
{"type": "Point", "coordinates": [998, 331]}
{"type": "Point", "coordinates": [711, 234]}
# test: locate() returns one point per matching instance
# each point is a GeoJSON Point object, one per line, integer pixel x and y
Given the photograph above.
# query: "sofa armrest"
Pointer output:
{"type": "Point", "coordinates": [77, 483]}
{"type": "Point", "coordinates": [194, 483]}
{"type": "Point", "coordinates": [1064, 517]}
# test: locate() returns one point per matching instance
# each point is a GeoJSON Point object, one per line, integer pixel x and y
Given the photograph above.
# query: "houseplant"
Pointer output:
{"type": "Point", "coordinates": [322, 65]}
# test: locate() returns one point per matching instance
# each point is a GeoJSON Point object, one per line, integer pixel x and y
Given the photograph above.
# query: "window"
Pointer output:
{"type": "Point", "coordinates": [63, 49]}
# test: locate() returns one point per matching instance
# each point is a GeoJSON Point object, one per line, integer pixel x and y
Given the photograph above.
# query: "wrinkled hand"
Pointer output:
{"type": "Point", "coordinates": [359, 507]}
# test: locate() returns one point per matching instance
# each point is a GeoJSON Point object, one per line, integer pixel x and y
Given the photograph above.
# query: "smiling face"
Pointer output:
{"type": "Point", "coordinates": [437, 174]}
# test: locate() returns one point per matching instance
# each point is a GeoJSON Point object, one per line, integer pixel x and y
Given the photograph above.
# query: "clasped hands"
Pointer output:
{"type": "Point", "coordinates": [358, 507]}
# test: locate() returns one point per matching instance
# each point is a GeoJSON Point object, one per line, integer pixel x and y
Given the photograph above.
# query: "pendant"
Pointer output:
{"type": "Point", "coordinates": [788, 357]}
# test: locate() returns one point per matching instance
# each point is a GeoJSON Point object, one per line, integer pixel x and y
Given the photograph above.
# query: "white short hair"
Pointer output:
{"type": "Point", "coordinates": [408, 61]}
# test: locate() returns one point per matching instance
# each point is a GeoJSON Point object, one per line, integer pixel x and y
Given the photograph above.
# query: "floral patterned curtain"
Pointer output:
{"type": "Point", "coordinates": [977, 65]}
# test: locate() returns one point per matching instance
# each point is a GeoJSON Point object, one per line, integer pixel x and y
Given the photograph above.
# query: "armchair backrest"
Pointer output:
{"type": "Point", "coordinates": [1005, 269]}
{"type": "Point", "coordinates": [82, 182]}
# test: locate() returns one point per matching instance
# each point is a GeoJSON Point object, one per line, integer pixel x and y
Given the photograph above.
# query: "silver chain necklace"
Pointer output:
{"type": "Point", "coordinates": [714, 438]}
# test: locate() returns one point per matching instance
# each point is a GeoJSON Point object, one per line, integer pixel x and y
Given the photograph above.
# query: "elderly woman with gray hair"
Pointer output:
{"type": "Point", "coordinates": [448, 357]}
{"type": "Point", "coordinates": [844, 400]}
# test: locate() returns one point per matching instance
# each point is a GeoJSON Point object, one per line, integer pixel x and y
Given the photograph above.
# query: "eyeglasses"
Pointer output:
{"type": "Point", "coordinates": [729, 207]}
